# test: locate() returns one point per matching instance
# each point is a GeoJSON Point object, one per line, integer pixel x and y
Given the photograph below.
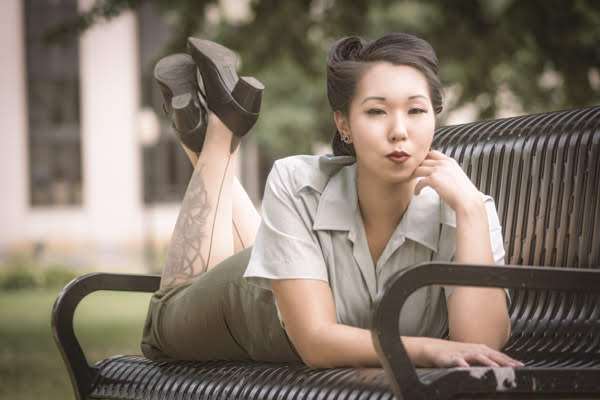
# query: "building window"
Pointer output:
{"type": "Point", "coordinates": [166, 169]}
{"type": "Point", "coordinates": [53, 107]}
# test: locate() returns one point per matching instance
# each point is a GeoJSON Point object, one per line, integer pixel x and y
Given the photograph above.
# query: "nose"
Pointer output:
{"type": "Point", "coordinates": [398, 129]}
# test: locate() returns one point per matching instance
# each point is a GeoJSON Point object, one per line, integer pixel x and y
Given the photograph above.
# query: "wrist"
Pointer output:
{"type": "Point", "coordinates": [419, 350]}
{"type": "Point", "coordinates": [474, 206]}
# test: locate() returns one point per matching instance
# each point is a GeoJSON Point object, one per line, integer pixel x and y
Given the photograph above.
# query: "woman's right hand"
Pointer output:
{"type": "Point", "coordinates": [445, 354]}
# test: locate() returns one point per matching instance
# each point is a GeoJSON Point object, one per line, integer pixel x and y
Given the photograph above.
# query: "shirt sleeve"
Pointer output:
{"type": "Point", "coordinates": [285, 246]}
{"type": "Point", "coordinates": [496, 239]}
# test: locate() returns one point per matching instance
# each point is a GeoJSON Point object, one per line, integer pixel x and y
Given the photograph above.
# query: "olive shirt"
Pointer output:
{"type": "Point", "coordinates": [312, 229]}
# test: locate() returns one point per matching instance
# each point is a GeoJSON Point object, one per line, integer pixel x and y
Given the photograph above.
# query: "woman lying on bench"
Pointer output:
{"type": "Point", "coordinates": [298, 284]}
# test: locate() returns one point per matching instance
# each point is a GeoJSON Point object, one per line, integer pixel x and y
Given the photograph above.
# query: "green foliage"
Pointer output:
{"type": "Point", "coordinates": [535, 55]}
{"type": "Point", "coordinates": [101, 10]}
{"type": "Point", "coordinates": [107, 323]}
{"type": "Point", "coordinates": [289, 123]}
{"type": "Point", "coordinates": [57, 276]}
{"type": "Point", "coordinates": [18, 274]}
{"type": "Point", "coordinates": [519, 46]}
{"type": "Point", "coordinates": [21, 272]}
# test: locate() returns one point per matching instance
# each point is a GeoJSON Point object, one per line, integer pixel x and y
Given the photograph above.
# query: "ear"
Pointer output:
{"type": "Point", "coordinates": [342, 124]}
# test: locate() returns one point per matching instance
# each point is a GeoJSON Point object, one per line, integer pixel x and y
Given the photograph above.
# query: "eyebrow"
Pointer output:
{"type": "Point", "coordinates": [372, 98]}
{"type": "Point", "coordinates": [383, 98]}
{"type": "Point", "coordinates": [417, 96]}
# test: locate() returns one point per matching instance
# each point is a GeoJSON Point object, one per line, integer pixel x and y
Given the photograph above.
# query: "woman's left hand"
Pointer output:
{"type": "Point", "coordinates": [446, 177]}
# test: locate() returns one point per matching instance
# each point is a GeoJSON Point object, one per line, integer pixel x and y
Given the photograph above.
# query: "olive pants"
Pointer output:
{"type": "Point", "coordinates": [220, 316]}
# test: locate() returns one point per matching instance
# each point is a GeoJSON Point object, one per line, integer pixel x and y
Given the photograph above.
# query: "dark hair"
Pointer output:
{"type": "Point", "coordinates": [350, 56]}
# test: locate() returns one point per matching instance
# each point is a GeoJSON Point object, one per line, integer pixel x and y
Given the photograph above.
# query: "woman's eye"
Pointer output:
{"type": "Point", "coordinates": [375, 111]}
{"type": "Point", "coordinates": [417, 111]}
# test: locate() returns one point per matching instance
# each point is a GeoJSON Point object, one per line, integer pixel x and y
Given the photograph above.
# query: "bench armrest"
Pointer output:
{"type": "Point", "coordinates": [389, 302]}
{"type": "Point", "coordinates": [80, 372]}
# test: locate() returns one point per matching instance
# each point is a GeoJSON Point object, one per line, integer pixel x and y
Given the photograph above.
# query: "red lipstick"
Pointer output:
{"type": "Point", "coordinates": [398, 157]}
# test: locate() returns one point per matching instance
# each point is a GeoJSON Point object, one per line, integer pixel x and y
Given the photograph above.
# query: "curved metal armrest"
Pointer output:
{"type": "Point", "coordinates": [389, 301]}
{"type": "Point", "coordinates": [80, 372]}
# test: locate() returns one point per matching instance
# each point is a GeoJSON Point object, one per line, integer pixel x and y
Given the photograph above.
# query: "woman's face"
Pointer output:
{"type": "Point", "coordinates": [390, 122]}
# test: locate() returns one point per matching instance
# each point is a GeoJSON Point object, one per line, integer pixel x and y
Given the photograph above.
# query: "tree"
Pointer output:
{"type": "Point", "coordinates": [537, 55]}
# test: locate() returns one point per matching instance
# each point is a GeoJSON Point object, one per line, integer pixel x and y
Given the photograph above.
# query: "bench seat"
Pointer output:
{"type": "Point", "coordinates": [543, 170]}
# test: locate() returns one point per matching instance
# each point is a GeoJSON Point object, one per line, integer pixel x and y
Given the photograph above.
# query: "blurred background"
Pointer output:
{"type": "Point", "coordinates": [92, 175]}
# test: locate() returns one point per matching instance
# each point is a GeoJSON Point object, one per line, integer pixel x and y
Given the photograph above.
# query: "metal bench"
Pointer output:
{"type": "Point", "coordinates": [544, 172]}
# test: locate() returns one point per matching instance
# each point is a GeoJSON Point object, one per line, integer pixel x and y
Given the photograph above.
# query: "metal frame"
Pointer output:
{"type": "Point", "coordinates": [560, 150]}
{"type": "Point", "coordinates": [81, 373]}
{"type": "Point", "coordinates": [478, 380]}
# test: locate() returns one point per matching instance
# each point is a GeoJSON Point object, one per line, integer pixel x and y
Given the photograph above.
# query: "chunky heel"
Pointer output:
{"type": "Point", "coordinates": [236, 101]}
{"type": "Point", "coordinates": [176, 78]}
{"type": "Point", "coordinates": [248, 93]}
{"type": "Point", "coordinates": [189, 125]}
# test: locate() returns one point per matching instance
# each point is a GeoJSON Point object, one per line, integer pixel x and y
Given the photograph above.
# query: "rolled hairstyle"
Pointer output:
{"type": "Point", "coordinates": [349, 57]}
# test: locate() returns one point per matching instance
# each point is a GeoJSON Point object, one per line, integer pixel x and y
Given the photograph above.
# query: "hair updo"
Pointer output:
{"type": "Point", "coordinates": [350, 56]}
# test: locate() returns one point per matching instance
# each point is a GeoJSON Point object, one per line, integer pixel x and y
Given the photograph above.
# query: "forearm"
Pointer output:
{"type": "Point", "coordinates": [339, 345]}
{"type": "Point", "coordinates": [472, 233]}
{"type": "Point", "coordinates": [342, 346]}
{"type": "Point", "coordinates": [480, 315]}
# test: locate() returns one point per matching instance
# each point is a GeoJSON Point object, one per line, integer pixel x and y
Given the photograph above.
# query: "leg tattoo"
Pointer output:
{"type": "Point", "coordinates": [184, 260]}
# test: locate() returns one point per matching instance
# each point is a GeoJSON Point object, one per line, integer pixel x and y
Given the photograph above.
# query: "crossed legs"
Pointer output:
{"type": "Point", "coordinates": [245, 218]}
{"type": "Point", "coordinates": [217, 219]}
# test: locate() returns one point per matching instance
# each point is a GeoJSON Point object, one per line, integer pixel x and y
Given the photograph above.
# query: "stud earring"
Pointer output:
{"type": "Point", "coordinates": [346, 139]}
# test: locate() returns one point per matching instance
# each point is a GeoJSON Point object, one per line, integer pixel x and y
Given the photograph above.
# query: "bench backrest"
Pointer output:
{"type": "Point", "coordinates": [544, 174]}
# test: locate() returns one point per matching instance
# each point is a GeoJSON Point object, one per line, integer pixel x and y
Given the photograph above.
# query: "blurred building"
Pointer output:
{"type": "Point", "coordinates": [91, 174]}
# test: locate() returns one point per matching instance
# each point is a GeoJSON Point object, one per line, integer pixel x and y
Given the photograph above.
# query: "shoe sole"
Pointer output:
{"type": "Point", "coordinates": [176, 78]}
{"type": "Point", "coordinates": [176, 75]}
{"type": "Point", "coordinates": [236, 101]}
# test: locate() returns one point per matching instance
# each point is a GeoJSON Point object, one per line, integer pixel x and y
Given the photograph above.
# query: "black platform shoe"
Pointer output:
{"type": "Point", "coordinates": [236, 101]}
{"type": "Point", "coordinates": [185, 107]}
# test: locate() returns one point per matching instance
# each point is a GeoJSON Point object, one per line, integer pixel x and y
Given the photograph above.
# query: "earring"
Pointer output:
{"type": "Point", "coordinates": [346, 139]}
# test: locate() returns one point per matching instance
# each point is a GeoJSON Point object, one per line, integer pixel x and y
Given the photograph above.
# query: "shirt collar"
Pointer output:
{"type": "Point", "coordinates": [338, 210]}
{"type": "Point", "coordinates": [338, 204]}
{"type": "Point", "coordinates": [422, 219]}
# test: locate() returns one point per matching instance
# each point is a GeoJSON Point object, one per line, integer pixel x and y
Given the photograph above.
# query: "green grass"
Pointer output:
{"type": "Point", "coordinates": [106, 323]}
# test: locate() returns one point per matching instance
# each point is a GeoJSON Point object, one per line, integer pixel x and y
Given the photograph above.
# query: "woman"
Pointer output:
{"type": "Point", "coordinates": [333, 228]}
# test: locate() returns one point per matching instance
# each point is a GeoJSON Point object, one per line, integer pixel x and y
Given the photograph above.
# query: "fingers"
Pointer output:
{"type": "Point", "coordinates": [436, 155]}
{"type": "Point", "coordinates": [425, 169]}
{"type": "Point", "coordinates": [477, 354]}
{"type": "Point", "coordinates": [430, 161]}
{"type": "Point", "coordinates": [501, 358]}
{"type": "Point", "coordinates": [445, 176]}
{"type": "Point", "coordinates": [456, 354]}
{"type": "Point", "coordinates": [430, 165]}
{"type": "Point", "coordinates": [422, 171]}
{"type": "Point", "coordinates": [459, 362]}
{"type": "Point", "coordinates": [492, 358]}
{"type": "Point", "coordinates": [482, 359]}
{"type": "Point", "coordinates": [505, 360]}
{"type": "Point", "coordinates": [420, 185]}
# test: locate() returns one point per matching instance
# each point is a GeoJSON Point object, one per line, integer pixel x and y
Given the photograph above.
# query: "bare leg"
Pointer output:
{"type": "Point", "coordinates": [203, 236]}
{"type": "Point", "coordinates": [191, 155]}
{"type": "Point", "coordinates": [245, 219]}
